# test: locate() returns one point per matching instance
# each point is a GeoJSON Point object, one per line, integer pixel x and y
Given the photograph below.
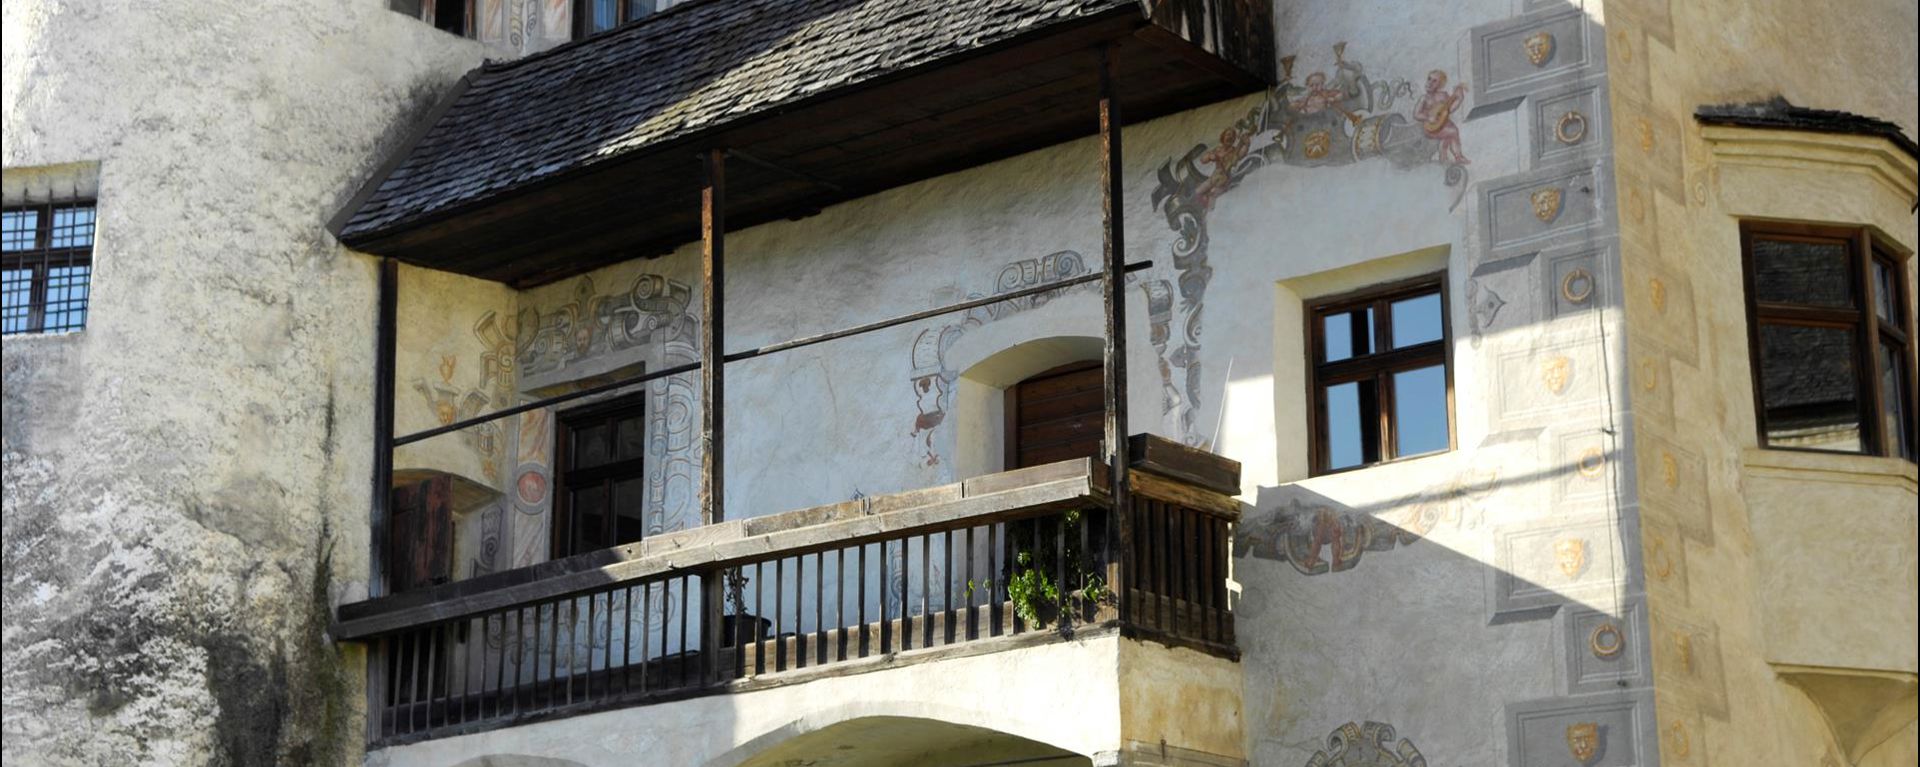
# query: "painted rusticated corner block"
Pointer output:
{"type": "Point", "coordinates": [1606, 650]}
{"type": "Point", "coordinates": [1611, 730]}
{"type": "Point", "coordinates": [1533, 51]}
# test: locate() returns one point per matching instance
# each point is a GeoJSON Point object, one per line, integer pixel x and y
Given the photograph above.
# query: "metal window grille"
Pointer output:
{"type": "Point", "coordinates": [46, 266]}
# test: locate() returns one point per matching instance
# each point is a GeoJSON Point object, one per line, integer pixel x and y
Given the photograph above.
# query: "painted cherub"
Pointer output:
{"type": "Point", "coordinates": [1316, 97]}
{"type": "Point", "coordinates": [1435, 113]}
{"type": "Point", "coordinates": [1223, 156]}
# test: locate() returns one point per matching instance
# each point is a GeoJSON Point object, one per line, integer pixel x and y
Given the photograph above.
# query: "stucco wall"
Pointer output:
{"type": "Point", "coordinates": [1782, 584]}
{"type": "Point", "coordinates": [185, 479]}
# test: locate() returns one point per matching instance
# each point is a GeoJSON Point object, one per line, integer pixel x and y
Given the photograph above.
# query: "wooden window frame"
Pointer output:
{"type": "Point", "coordinates": [567, 479]}
{"type": "Point", "coordinates": [621, 18]}
{"type": "Point", "coordinates": [1379, 366]}
{"type": "Point", "coordinates": [1869, 330]}
{"type": "Point", "coordinates": [39, 260]}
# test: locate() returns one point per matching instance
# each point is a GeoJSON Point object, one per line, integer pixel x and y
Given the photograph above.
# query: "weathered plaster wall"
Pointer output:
{"type": "Point", "coordinates": [185, 480]}
{"type": "Point", "coordinates": [1782, 585]}
{"type": "Point", "coordinates": [1063, 695]}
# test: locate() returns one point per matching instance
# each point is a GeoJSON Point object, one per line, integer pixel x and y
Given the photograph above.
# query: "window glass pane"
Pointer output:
{"type": "Point", "coordinates": [1893, 399]}
{"type": "Point", "coordinates": [66, 307]}
{"type": "Point", "coordinates": [1884, 291]}
{"type": "Point", "coordinates": [589, 508]}
{"type": "Point", "coordinates": [17, 229]}
{"type": "Point", "coordinates": [590, 446]}
{"type": "Point", "coordinates": [1347, 335]}
{"type": "Point", "coordinates": [16, 293]}
{"type": "Point", "coordinates": [632, 439]}
{"type": "Point", "coordinates": [630, 510]}
{"type": "Point", "coordinates": [639, 8]}
{"type": "Point", "coordinates": [1345, 445]}
{"type": "Point", "coordinates": [72, 228]}
{"type": "Point", "coordinates": [1806, 273]}
{"type": "Point", "coordinates": [1420, 411]}
{"type": "Point", "coordinates": [602, 15]}
{"type": "Point", "coordinates": [1416, 320]}
{"type": "Point", "coordinates": [1807, 384]}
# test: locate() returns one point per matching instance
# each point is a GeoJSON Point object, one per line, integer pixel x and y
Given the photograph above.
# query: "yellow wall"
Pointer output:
{"type": "Point", "coordinates": [1781, 585]}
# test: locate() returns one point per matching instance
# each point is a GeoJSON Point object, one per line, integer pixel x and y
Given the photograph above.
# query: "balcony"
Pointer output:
{"type": "Point", "coordinates": [536, 169]}
{"type": "Point", "coordinates": [999, 562]}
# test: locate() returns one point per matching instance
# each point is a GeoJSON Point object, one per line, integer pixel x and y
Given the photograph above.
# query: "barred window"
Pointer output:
{"type": "Point", "coordinates": [46, 266]}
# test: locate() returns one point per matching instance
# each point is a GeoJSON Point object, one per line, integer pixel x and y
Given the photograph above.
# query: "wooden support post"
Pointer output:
{"type": "Point", "coordinates": [1113, 290]}
{"type": "Point", "coordinates": [713, 508]}
{"type": "Point", "coordinates": [386, 333]}
{"type": "Point", "coordinates": [713, 237]}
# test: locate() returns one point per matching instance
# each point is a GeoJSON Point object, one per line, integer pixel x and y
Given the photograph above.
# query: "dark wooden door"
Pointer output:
{"type": "Point", "coordinates": [1056, 415]}
{"type": "Point", "coordinates": [421, 534]}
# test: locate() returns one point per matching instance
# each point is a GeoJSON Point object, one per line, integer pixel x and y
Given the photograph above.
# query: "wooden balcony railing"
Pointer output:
{"type": "Point", "coordinates": [992, 563]}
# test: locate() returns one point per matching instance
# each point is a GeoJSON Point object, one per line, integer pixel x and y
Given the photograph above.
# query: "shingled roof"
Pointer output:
{"type": "Point", "coordinates": [685, 71]}
{"type": "Point", "coordinates": [1778, 113]}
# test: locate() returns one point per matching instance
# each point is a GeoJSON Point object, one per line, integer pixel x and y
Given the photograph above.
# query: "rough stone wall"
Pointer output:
{"type": "Point", "coordinates": [185, 479]}
{"type": "Point", "coordinates": [1766, 569]}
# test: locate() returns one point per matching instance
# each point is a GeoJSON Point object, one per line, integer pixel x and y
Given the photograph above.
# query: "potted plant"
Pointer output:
{"type": "Point", "coordinates": [737, 625]}
{"type": "Point", "coordinates": [1032, 575]}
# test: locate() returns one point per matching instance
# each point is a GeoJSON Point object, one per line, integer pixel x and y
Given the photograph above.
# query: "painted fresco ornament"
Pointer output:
{"type": "Point", "coordinates": [1669, 470]}
{"type": "Point", "coordinates": [1577, 286]}
{"type": "Point", "coordinates": [1657, 293]}
{"type": "Point", "coordinates": [1592, 461]}
{"type": "Point", "coordinates": [1657, 553]}
{"type": "Point", "coordinates": [1539, 47]}
{"type": "Point", "coordinates": [1606, 641]}
{"type": "Point", "coordinates": [1571, 128]}
{"type": "Point", "coordinates": [1546, 204]}
{"type": "Point", "coordinates": [1317, 145]}
{"type": "Point", "coordinates": [1583, 741]}
{"type": "Point", "coordinates": [1556, 373]}
{"type": "Point", "coordinates": [1571, 555]}
{"type": "Point", "coordinates": [1683, 650]}
{"type": "Point", "coordinates": [1678, 739]}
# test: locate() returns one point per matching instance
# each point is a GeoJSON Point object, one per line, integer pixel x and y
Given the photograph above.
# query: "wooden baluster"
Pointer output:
{"type": "Point", "coordinates": [686, 582]}
{"type": "Point", "coordinates": [861, 605]}
{"type": "Point", "coordinates": [886, 590]}
{"type": "Point", "coordinates": [779, 614]}
{"type": "Point", "coordinates": [973, 610]}
{"type": "Point", "coordinates": [946, 586]}
{"type": "Point", "coordinates": [759, 594]}
{"type": "Point", "coordinates": [995, 582]}
{"type": "Point", "coordinates": [646, 637]}
{"type": "Point", "coordinates": [820, 605]}
{"type": "Point", "coordinates": [840, 600]}
{"type": "Point", "coordinates": [926, 591]}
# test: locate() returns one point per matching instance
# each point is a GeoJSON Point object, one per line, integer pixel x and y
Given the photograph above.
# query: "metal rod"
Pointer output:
{"type": "Point", "coordinates": [746, 354]}
{"type": "Point", "coordinates": [1113, 290]}
{"type": "Point", "coordinates": [713, 251]}
{"type": "Point", "coordinates": [752, 353]}
{"type": "Point", "coordinates": [545, 403]}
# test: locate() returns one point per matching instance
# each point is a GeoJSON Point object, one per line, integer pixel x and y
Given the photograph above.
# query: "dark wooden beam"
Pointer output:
{"type": "Point", "coordinates": [386, 334]}
{"type": "Point", "coordinates": [1113, 289]}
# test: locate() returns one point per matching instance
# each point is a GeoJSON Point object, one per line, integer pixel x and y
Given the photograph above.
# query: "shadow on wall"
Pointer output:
{"type": "Point", "coordinates": [1535, 627]}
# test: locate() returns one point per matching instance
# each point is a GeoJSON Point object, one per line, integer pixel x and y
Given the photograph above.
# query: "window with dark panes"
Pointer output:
{"type": "Point", "coordinates": [1379, 383]}
{"type": "Point", "coordinates": [591, 17]}
{"type": "Point", "coordinates": [1830, 331]}
{"type": "Point", "coordinates": [46, 266]}
{"type": "Point", "coordinates": [600, 498]}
